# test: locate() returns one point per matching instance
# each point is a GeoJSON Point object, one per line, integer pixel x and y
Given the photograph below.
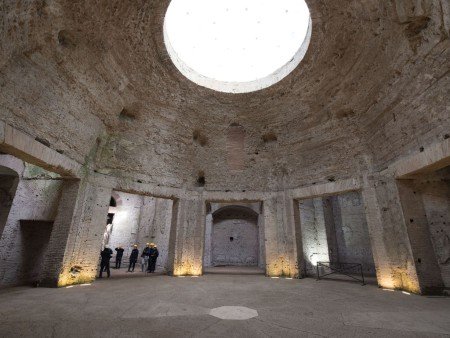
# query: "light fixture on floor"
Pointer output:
{"type": "Point", "coordinates": [388, 290]}
{"type": "Point", "coordinates": [406, 293]}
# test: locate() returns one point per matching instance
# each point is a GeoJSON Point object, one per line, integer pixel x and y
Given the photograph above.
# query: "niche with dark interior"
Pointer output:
{"type": "Point", "coordinates": [35, 236]}
{"type": "Point", "coordinates": [201, 180]}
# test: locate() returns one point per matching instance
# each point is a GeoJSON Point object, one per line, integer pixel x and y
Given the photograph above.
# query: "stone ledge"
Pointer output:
{"type": "Point", "coordinates": [23, 146]}
{"type": "Point", "coordinates": [433, 158]}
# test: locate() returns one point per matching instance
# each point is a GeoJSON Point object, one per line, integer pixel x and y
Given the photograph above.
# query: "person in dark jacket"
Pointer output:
{"type": "Point", "coordinates": [145, 257]}
{"type": "Point", "coordinates": [119, 255]}
{"type": "Point", "coordinates": [106, 255]}
{"type": "Point", "coordinates": [153, 256]}
{"type": "Point", "coordinates": [133, 258]}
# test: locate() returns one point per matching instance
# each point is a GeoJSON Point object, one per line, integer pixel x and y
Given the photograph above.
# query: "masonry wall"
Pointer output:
{"type": "Point", "coordinates": [140, 220]}
{"type": "Point", "coordinates": [235, 239]}
{"type": "Point", "coordinates": [187, 237]}
{"type": "Point", "coordinates": [281, 230]}
{"type": "Point", "coordinates": [314, 236]}
{"type": "Point", "coordinates": [391, 247]}
{"type": "Point", "coordinates": [8, 186]}
{"type": "Point", "coordinates": [214, 208]}
{"type": "Point", "coordinates": [436, 199]}
{"type": "Point", "coordinates": [353, 242]}
{"type": "Point", "coordinates": [36, 199]}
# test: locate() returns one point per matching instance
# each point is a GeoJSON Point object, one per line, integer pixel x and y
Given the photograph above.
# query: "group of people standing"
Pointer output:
{"type": "Point", "coordinates": [148, 258]}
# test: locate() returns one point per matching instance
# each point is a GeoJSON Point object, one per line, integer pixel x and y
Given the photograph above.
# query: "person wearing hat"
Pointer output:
{"type": "Point", "coordinates": [145, 257]}
{"type": "Point", "coordinates": [153, 256]}
{"type": "Point", "coordinates": [106, 255]}
{"type": "Point", "coordinates": [133, 258]}
{"type": "Point", "coordinates": [119, 255]}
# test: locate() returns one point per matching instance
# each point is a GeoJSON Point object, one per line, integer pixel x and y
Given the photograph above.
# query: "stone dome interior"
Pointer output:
{"type": "Point", "coordinates": [95, 81]}
{"type": "Point", "coordinates": [341, 160]}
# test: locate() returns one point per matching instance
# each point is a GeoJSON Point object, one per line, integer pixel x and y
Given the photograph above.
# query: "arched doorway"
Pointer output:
{"type": "Point", "coordinates": [235, 237]}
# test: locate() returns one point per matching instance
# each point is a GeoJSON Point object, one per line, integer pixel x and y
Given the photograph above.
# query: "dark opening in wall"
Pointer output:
{"type": "Point", "coordinates": [201, 180]}
{"type": "Point", "coordinates": [199, 138]}
{"type": "Point", "coordinates": [125, 114]}
{"type": "Point", "coordinates": [112, 202]}
{"type": "Point", "coordinates": [43, 141]}
{"type": "Point", "coordinates": [66, 39]}
{"type": "Point", "coordinates": [34, 236]}
{"type": "Point", "coordinates": [231, 239]}
{"type": "Point", "coordinates": [110, 218]}
{"type": "Point", "coordinates": [269, 137]}
{"type": "Point", "coordinates": [416, 25]}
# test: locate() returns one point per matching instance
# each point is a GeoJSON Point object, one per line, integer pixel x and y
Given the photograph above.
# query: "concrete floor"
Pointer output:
{"type": "Point", "coordinates": [234, 270]}
{"type": "Point", "coordinates": [162, 306]}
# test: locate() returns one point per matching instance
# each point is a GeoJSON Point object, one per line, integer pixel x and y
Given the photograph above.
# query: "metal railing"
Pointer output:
{"type": "Point", "coordinates": [341, 268]}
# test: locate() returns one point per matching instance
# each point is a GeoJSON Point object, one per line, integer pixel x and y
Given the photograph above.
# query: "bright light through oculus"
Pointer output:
{"type": "Point", "coordinates": [237, 41]}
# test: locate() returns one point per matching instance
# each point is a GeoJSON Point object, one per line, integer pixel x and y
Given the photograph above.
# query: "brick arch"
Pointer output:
{"type": "Point", "coordinates": [235, 238]}
{"type": "Point", "coordinates": [223, 211]}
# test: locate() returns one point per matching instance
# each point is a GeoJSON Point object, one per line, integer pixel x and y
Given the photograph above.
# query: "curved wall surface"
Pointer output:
{"type": "Point", "coordinates": [89, 90]}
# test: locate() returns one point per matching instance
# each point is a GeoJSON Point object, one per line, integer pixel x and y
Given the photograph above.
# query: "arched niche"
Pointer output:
{"type": "Point", "coordinates": [234, 237]}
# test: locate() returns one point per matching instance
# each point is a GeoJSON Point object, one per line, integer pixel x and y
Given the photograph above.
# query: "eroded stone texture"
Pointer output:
{"type": "Point", "coordinates": [88, 90]}
{"type": "Point", "coordinates": [283, 256]}
{"type": "Point", "coordinates": [187, 237]}
{"type": "Point", "coordinates": [242, 219]}
{"type": "Point", "coordinates": [352, 236]}
{"type": "Point", "coordinates": [436, 198]}
{"type": "Point", "coordinates": [314, 234]}
{"type": "Point", "coordinates": [391, 247]}
{"type": "Point", "coordinates": [344, 98]}
{"type": "Point", "coordinates": [433, 192]}
{"type": "Point", "coordinates": [235, 239]}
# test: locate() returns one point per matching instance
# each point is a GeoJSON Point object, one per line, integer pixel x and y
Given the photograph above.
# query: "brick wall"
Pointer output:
{"type": "Point", "coordinates": [36, 198]}
{"type": "Point", "coordinates": [353, 242]}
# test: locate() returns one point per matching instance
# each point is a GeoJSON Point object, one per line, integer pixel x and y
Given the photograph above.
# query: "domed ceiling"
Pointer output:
{"type": "Point", "coordinates": [95, 81]}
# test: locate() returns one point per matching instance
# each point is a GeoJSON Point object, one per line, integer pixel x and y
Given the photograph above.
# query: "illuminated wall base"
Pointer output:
{"type": "Point", "coordinates": [398, 279]}
{"type": "Point", "coordinates": [281, 267]}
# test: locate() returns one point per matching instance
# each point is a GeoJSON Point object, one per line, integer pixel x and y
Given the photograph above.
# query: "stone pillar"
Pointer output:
{"type": "Point", "coordinates": [415, 218]}
{"type": "Point", "coordinates": [391, 248]}
{"type": "Point", "coordinates": [207, 258]}
{"type": "Point", "coordinates": [262, 240]}
{"type": "Point", "coordinates": [187, 237]}
{"type": "Point", "coordinates": [281, 229]}
{"type": "Point", "coordinates": [74, 247]}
